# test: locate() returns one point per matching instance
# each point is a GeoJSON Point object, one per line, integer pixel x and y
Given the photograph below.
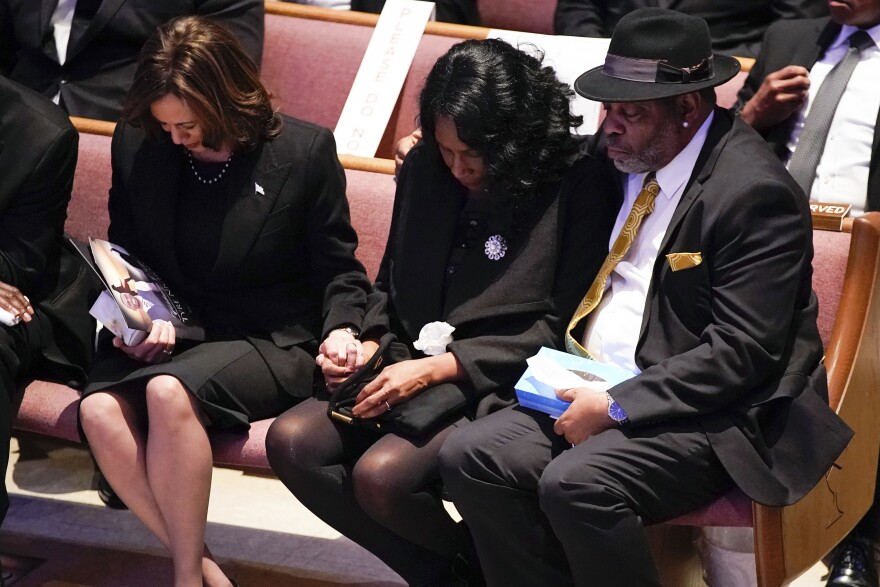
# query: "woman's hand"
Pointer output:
{"type": "Point", "coordinates": [401, 381]}
{"type": "Point", "coordinates": [14, 302]}
{"type": "Point", "coordinates": [340, 355]}
{"type": "Point", "coordinates": [404, 146]}
{"type": "Point", "coordinates": [156, 348]}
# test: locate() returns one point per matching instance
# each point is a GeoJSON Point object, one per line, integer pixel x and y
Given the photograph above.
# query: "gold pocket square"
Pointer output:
{"type": "Point", "coordinates": [679, 261]}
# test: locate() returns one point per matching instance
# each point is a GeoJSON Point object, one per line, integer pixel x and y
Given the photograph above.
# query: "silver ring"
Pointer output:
{"type": "Point", "coordinates": [168, 351]}
{"type": "Point", "coordinates": [387, 405]}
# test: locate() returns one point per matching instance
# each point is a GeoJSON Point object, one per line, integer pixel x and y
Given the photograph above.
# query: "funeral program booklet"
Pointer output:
{"type": "Point", "coordinates": [134, 295]}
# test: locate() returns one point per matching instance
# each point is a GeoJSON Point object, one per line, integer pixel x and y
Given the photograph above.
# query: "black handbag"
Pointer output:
{"type": "Point", "coordinates": [415, 417]}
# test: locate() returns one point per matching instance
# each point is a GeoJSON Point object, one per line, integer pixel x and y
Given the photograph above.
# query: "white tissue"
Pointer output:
{"type": "Point", "coordinates": [9, 319]}
{"type": "Point", "coordinates": [433, 338]}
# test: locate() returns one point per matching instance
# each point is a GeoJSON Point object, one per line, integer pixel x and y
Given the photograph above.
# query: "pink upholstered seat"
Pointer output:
{"type": "Point", "coordinates": [87, 213]}
{"type": "Point", "coordinates": [726, 92]}
{"type": "Point", "coordinates": [310, 65]}
{"type": "Point", "coordinates": [531, 16]}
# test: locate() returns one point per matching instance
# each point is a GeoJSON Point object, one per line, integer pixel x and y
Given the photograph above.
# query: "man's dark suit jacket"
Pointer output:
{"type": "Point", "coordinates": [736, 25]}
{"type": "Point", "coordinates": [802, 42]}
{"type": "Point", "coordinates": [732, 341]}
{"type": "Point", "coordinates": [102, 58]}
{"type": "Point", "coordinates": [285, 273]}
{"type": "Point", "coordinates": [38, 150]}
{"type": "Point", "coordinates": [503, 310]}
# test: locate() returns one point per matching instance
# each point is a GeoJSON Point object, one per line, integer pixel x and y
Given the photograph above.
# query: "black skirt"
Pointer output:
{"type": "Point", "coordinates": [230, 378]}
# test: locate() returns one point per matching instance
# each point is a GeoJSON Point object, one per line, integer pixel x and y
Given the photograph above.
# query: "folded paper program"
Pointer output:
{"type": "Point", "coordinates": [550, 370]}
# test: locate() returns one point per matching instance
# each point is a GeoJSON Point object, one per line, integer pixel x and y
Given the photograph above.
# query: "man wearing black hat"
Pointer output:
{"type": "Point", "coordinates": [705, 297]}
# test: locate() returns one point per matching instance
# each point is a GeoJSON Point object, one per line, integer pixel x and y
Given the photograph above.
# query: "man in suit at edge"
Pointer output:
{"type": "Point", "coordinates": [777, 99]}
{"type": "Point", "coordinates": [796, 58]}
{"type": "Point", "coordinates": [42, 284]}
{"type": "Point", "coordinates": [83, 53]}
{"type": "Point", "coordinates": [711, 308]}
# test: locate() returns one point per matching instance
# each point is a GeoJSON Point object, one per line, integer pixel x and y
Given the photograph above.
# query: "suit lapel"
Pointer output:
{"type": "Point", "coordinates": [254, 196]}
{"type": "Point", "coordinates": [807, 54]}
{"type": "Point", "coordinates": [718, 135]}
{"type": "Point", "coordinates": [874, 168]}
{"type": "Point", "coordinates": [80, 38]}
{"type": "Point", "coordinates": [47, 40]}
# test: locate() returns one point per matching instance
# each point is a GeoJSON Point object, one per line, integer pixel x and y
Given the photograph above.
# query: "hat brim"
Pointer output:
{"type": "Point", "coordinates": [596, 85]}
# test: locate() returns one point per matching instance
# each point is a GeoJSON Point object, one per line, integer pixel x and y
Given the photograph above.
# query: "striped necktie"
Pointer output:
{"type": "Point", "coordinates": [643, 206]}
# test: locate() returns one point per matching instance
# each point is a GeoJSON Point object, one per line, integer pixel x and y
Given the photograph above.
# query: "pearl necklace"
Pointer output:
{"type": "Point", "coordinates": [192, 166]}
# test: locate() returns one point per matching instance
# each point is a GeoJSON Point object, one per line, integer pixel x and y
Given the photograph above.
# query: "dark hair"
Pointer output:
{"type": "Point", "coordinates": [203, 64]}
{"type": "Point", "coordinates": [507, 106]}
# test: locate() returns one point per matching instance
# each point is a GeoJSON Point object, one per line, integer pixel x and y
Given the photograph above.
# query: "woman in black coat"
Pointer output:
{"type": "Point", "coordinates": [242, 213]}
{"type": "Point", "coordinates": [495, 232]}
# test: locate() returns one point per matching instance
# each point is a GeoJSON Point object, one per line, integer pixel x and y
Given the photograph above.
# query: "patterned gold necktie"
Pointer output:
{"type": "Point", "coordinates": [643, 206]}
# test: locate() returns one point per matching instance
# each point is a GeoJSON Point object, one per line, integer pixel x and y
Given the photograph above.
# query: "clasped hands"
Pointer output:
{"type": "Point", "coordinates": [341, 354]}
{"type": "Point", "coordinates": [587, 415]}
{"type": "Point", "coordinates": [156, 348]}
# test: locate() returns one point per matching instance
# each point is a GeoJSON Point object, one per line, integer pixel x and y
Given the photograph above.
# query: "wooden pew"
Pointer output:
{"type": "Point", "coordinates": [790, 540]}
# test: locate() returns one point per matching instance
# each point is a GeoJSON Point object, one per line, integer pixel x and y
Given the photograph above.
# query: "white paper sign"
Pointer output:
{"type": "Point", "coordinates": [570, 57]}
{"type": "Point", "coordinates": [381, 75]}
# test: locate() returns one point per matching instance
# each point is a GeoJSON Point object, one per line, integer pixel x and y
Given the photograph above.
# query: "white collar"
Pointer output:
{"type": "Point", "coordinates": [677, 172]}
{"type": "Point", "coordinates": [846, 32]}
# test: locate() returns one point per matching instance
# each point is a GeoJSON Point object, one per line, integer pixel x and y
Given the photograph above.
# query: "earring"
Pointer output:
{"type": "Point", "coordinates": [685, 124]}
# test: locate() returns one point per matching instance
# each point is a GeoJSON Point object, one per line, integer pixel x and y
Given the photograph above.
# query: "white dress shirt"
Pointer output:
{"type": "Point", "coordinates": [60, 22]}
{"type": "Point", "coordinates": [842, 174]}
{"type": "Point", "coordinates": [613, 328]}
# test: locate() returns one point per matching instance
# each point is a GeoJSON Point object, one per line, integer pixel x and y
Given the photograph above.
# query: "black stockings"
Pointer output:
{"type": "Point", "coordinates": [380, 491]}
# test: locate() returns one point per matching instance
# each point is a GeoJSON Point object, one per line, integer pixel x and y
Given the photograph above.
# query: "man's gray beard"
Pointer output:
{"type": "Point", "coordinates": [656, 155]}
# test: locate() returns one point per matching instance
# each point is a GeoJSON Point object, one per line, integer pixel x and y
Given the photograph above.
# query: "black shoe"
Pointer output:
{"type": "Point", "coordinates": [106, 493]}
{"type": "Point", "coordinates": [853, 564]}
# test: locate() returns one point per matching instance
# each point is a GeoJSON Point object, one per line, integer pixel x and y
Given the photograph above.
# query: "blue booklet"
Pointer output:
{"type": "Point", "coordinates": [535, 394]}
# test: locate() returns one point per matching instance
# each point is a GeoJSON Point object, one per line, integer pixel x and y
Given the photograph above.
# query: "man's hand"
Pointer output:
{"type": "Point", "coordinates": [587, 415]}
{"type": "Point", "coordinates": [403, 147]}
{"type": "Point", "coordinates": [14, 302]}
{"type": "Point", "coordinates": [340, 355]}
{"type": "Point", "coordinates": [781, 93]}
{"type": "Point", "coordinates": [156, 348]}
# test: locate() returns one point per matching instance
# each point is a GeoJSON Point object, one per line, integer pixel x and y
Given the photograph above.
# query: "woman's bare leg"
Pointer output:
{"type": "Point", "coordinates": [116, 430]}
{"type": "Point", "coordinates": [179, 464]}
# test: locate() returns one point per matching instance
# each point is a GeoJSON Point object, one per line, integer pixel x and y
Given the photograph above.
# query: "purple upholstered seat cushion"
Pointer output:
{"type": "Point", "coordinates": [371, 198]}
{"type": "Point", "coordinates": [530, 16]}
{"type": "Point", "coordinates": [731, 509]}
{"type": "Point", "coordinates": [87, 213]}
{"type": "Point", "coordinates": [49, 409]}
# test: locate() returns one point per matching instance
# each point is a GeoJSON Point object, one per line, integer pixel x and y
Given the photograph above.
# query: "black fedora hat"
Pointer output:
{"type": "Point", "coordinates": [656, 53]}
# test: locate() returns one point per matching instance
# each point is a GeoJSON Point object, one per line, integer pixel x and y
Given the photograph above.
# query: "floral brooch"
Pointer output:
{"type": "Point", "coordinates": [496, 247]}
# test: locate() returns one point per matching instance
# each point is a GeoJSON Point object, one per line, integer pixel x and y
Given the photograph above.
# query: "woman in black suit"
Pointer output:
{"type": "Point", "coordinates": [242, 212]}
{"type": "Point", "coordinates": [496, 232]}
